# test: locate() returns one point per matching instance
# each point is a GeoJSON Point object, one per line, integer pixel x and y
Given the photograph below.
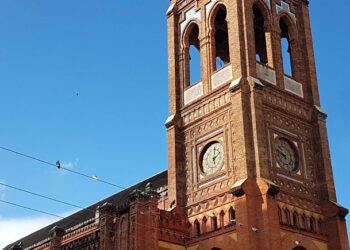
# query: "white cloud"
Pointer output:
{"type": "Point", "coordinates": [70, 164]}
{"type": "Point", "coordinates": [14, 229]}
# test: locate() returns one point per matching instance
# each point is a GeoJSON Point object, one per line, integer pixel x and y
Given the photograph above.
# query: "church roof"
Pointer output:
{"type": "Point", "coordinates": [119, 199]}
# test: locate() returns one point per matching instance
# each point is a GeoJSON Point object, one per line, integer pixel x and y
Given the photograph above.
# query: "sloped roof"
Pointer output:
{"type": "Point", "coordinates": [118, 199]}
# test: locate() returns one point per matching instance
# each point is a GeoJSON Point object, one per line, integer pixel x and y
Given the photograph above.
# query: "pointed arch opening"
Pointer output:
{"type": "Point", "coordinates": [287, 216]}
{"type": "Point", "coordinates": [303, 222]}
{"type": "Point", "coordinates": [260, 35]}
{"type": "Point", "coordinates": [197, 227]}
{"type": "Point", "coordinates": [220, 39]}
{"type": "Point", "coordinates": [312, 225]}
{"type": "Point", "coordinates": [204, 226]}
{"type": "Point", "coordinates": [286, 48]}
{"type": "Point", "coordinates": [214, 222]}
{"type": "Point", "coordinates": [295, 219]}
{"type": "Point", "coordinates": [232, 213]}
{"type": "Point", "coordinates": [192, 56]}
{"type": "Point", "coordinates": [222, 218]}
{"type": "Point", "coordinates": [280, 215]}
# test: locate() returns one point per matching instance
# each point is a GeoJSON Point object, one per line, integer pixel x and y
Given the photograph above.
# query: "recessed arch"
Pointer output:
{"type": "Point", "coordinates": [192, 55]}
{"type": "Point", "coordinates": [259, 35]}
{"type": "Point", "coordinates": [219, 38]}
{"type": "Point", "coordinates": [287, 216]}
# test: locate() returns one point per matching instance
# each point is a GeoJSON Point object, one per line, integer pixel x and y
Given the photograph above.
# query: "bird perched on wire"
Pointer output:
{"type": "Point", "coordinates": [58, 164]}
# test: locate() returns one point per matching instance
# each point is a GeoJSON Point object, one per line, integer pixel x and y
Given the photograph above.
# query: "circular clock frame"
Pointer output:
{"type": "Point", "coordinates": [211, 158]}
{"type": "Point", "coordinates": [286, 154]}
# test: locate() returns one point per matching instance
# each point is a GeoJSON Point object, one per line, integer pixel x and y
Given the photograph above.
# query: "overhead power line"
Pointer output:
{"type": "Point", "coordinates": [76, 221]}
{"type": "Point", "coordinates": [32, 209]}
{"type": "Point", "coordinates": [40, 195]}
{"type": "Point", "coordinates": [58, 165]}
{"type": "Point", "coordinates": [62, 202]}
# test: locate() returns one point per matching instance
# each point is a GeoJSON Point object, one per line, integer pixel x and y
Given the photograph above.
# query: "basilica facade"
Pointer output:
{"type": "Point", "coordinates": [248, 156]}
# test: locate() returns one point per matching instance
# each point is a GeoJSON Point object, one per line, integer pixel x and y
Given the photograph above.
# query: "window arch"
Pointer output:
{"type": "Point", "coordinates": [295, 219]}
{"type": "Point", "coordinates": [312, 225]}
{"type": "Point", "coordinates": [220, 41]}
{"type": "Point", "coordinates": [286, 46]}
{"type": "Point", "coordinates": [259, 35]}
{"type": "Point", "coordinates": [197, 227]}
{"type": "Point", "coordinates": [192, 55]}
{"type": "Point", "coordinates": [280, 215]}
{"type": "Point", "coordinates": [214, 222]}
{"type": "Point", "coordinates": [303, 222]}
{"type": "Point", "coordinates": [204, 229]}
{"type": "Point", "coordinates": [287, 216]}
{"type": "Point", "coordinates": [232, 213]}
{"type": "Point", "coordinates": [222, 218]}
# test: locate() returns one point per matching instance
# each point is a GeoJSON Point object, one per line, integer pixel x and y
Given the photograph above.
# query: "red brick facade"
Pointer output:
{"type": "Point", "coordinates": [248, 156]}
{"type": "Point", "coordinates": [249, 105]}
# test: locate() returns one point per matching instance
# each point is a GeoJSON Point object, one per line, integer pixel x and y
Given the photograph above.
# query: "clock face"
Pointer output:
{"type": "Point", "coordinates": [212, 158]}
{"type": "Point", "coordinates": [286, 155]}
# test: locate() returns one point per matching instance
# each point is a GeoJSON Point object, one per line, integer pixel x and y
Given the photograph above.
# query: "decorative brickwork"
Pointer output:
{"type": "Point", "coordinates": [248, 156]}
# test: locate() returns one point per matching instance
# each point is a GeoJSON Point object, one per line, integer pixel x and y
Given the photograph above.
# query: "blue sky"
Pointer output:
{"type": "Point", "coordinates": [85, 82]}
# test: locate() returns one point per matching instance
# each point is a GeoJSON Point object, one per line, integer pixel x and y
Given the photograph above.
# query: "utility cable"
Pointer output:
{"type": "Point", "coordinates": [40, 195]}
{"type": "Point", "coordinates": [76, 221]}
{"type": "Point", "coordinates": [32, 209]}
{"type": "Point", "coordinates": [58, 165]}
{"type": "Point", "coordinates": [59, 201]}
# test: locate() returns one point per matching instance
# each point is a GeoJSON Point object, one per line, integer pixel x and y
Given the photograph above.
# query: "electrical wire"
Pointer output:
{"type": "Point", "coordinates": [42, 196]}
{"type": "Point", "coordinates": [59, 201]}
{"type": "Point", "coordinates": [76, 221]}
{"type": "Point", "coordinates": [66, 169]}
{"type": "Point", "coordinates": [32, 209]}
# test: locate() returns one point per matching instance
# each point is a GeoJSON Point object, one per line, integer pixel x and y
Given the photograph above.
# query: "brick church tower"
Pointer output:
{"type": "Point", "coordinates": [248, 153]}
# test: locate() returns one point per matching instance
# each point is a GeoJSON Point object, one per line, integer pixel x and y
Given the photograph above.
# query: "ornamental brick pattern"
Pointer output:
{"type": "Point", "coordinates": [262, 194]}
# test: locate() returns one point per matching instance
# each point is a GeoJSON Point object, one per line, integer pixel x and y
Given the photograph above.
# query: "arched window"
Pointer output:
{"type": "Point", "coordinates": [222, 218]}
{"type": "Point", "coordinates": [303, 222]}
{"type": "Point", "coordinates": [214, 222]}
{"type": "Point", "coordinates": [197, 227]}
{"type": "Point", "coordinates": [216, 248]}
{"type": "Point", "coordinates": [287, 216]}
{"type": "Point", "coordinates": [286, 48]}
{"type": "Point", "coordinates": [193, 57]}
{"type": "Point", "coordinates": [312, 224]}
{"type": "Point", "coordinates": [221, 43]}
{"type": "Point", "coordinates": [204, 229]}
{"type": "Point", "coordinates": [280, 215]}
{"type": "Point", "coordinates": [295, 219]}
{"type": "Point", "coordinates": [232, 215]}
{"type": "Point", "coordinates": [260, 37]}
